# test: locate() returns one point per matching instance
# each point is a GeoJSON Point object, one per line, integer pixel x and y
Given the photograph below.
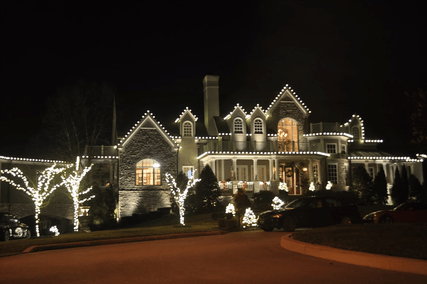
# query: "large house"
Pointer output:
{"type": "Point", "coordinates": [258, 150]}
{"type": "Point", "coordinates": [263, 149]}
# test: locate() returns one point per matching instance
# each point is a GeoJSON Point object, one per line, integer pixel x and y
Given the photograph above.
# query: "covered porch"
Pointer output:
{"type": "Point", "coordinates": [257, 171]}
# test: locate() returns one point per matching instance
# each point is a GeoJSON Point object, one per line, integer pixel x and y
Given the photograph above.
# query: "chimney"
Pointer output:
{"type": "Point", "coordinates": [211, 102]}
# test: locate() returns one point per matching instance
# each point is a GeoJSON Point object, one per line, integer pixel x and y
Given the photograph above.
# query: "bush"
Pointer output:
{"type": "Point", "coordinates": [228, 224]}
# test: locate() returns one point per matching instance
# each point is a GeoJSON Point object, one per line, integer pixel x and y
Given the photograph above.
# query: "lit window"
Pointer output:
{"type": "Point", "coordinates": [331, 148]}
{"type": "Point", "coordinates": [188, 129]}
{"type": "Point", "coordinates": [148, 172]}
{"type": "Point", "coordinates": [333, 174]}
{"type": "Point", "coordinates": [258, 126]}
{"type": "Point", "coordinates": [238, 125]}
{"type": "Point", "coordinates": [356, 133]}
{"type": "Point", "coordinates": [287, 133]}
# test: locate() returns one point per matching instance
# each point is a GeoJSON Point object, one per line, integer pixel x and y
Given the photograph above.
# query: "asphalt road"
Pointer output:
{"type": "Point", "coordinates": [244, 257]}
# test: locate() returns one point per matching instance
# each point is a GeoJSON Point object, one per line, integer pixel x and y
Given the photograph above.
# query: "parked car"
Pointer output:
{"type": "Point", "coordinates": [310, 212]}
{"type": "Point", "coordinates": [410, 211]}
{"type": "Point", "coordinates": [12, 228]}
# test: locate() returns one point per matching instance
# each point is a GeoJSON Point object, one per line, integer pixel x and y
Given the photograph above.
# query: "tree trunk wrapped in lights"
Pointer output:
{"type": "Point", "coordinates": [39, 193]}
{"type": "Point", "coordinates": [72, 183]}
{"type": "Point", "coordinates": [179, 194]}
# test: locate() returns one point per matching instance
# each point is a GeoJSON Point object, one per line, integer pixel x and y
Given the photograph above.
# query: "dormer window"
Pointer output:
{"type": "Point", "coordinates": [287, 135]}
{"type": "Point", "coordinates": [238, 125]}
{"type": "Point", "coordinates": [187, 129]}
{"type": "Point", "coordinates": [258, 128]}
{"type": "Point", "coordinates": [356, 133]}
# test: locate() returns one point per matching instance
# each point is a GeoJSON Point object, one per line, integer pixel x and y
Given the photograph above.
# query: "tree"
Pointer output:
{"type": "Point", "coordinates": [78, 116]}
{"type": "Point", "coordinates": [397, 191]}
{"type": "Point", "coordinates": [405, 183]}
{"type": "Point", "coordinates": [179, 194]}
{"type": "Point", "coordinates": [38, 192]}
{"type": "Point", "coordinates": [418, 101]}
{"type": "Point", "coordinates": [416, 190]}
{"type": "Point", "coordinates": [380, 187]}
{"type": "Point", "coordinates": [72, 183]}
{"type": "Point", "coordinates": [362, 184]}
{"type": "Point", "coordinates": [207, 190]}
{"type": "Point", "coordinates": [102, 206]}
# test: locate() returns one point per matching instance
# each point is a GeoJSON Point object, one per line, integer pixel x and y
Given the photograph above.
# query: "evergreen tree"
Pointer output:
{"type": "Point", "coordinates": [397, 191]}
{"type": "Point", "coordinates": [380, 187]}
{"type": "Point", "coordinates": [425, 174]}
{"type": "Point", "coordinates": [416, 190]}
{"type": "Point", "coordinates": [362, 184]}
{"type": "Point", "coordinates": [207, 190]}
{"type": "Point", "coordinates": [405, 183]}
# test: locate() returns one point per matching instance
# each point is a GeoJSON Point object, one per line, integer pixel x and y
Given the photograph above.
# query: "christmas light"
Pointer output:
{"type": "Point", "coordinates": [249, 219]}
{"type": "Point", "coordinates": [312, 188]}
{"type": "Point", "coordinates": [54, 230]}
{"type": "Point", "coordinates": [72, 183]}
{"type": "Point", "coordinates": [277, 203]}
{"type": "Point", "coordinates": [230, 209]}
{"type": "Point", "coordinates": [38, 194]}
{"type": "Point", "coordinates": [283, 186]}
{"type": "Point", "coordinates": [329, 185]}
{"type": "Point", "coordinates": [180, 195]}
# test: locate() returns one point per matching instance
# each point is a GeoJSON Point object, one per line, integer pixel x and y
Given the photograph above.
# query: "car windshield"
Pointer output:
{"type": "Point", "coordinates": [403, 206]}
{"type": "Point", "coordinates": [296, 204]}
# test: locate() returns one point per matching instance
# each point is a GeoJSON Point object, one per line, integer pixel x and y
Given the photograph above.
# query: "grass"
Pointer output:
{"type": "Point", "coordinates": [403, 240]}
{"type": "Point", "coordinates": [163, 226]}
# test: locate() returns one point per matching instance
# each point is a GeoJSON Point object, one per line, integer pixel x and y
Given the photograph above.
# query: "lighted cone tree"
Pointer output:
{"type": "Point", "coordinates": [179, 194]}
{"type": "Point", "coordinates": [72, 183]}
{"type": "Point", "coordinates": [283, 186]}
{"type": "Point", "coordinates": [230, 209]}
{"type": "Point", "coordinates": [45, 186]}
{"type": "Point", "coordinates": [249, 219]}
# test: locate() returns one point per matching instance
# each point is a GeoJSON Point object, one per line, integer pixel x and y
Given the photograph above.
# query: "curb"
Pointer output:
{"type": "Point", "coordinates": [117, 241]}
{"type": "Point", "coordinates": [401, 264]}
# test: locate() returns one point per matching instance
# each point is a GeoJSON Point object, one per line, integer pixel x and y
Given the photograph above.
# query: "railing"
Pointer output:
{"type": "Point", "coordinates": [249, 186]}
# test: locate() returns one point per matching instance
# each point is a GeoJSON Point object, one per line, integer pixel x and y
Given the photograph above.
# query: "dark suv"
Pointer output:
{"type": "Point", "coordinates": [310, 212]}
{"type": "Point", "coordinates": [12, 228]}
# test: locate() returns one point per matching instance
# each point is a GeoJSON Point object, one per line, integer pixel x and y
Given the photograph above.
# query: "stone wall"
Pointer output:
{"type": "Point", "coordinates": [21, 210]}
{"type": "Point", "coordinates": [146, 143]}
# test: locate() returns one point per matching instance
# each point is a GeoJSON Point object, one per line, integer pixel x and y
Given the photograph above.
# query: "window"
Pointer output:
{"type": "Point", "coordinates": [238, 125]}
{"type": "Point", "coordinates": [187, 129]}
{"type": "Point", "coordinates": [258, 126]}
{"type": "Point", "coordinates": [287, 134]}
{"type": "Point", "coordinates": [262, 173]}
{"type": "Point", "coordinates": [333, 173]}
{"type": "Point", "coordinates": [356, 133]}
{"type": "Point", "coordinates": [148, 172]}
{"type": "Point", "coordinates": [188, 171]}
{"type": "Point", "coordinates": [343, 149]}
{"type": "Point", "coordinates": [242, 173]}
{"type": "Point", "coordinates": [331, 148]}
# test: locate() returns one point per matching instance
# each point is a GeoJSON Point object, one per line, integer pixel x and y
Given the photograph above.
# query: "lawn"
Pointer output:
{"type": "Point", "coordinates": [163, 226]}
{"type": "Point", "coordinates": [403, 240]}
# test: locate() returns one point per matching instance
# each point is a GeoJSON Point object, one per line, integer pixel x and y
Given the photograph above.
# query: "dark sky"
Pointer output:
{"type": "Point", "coordinates": [341, 57]}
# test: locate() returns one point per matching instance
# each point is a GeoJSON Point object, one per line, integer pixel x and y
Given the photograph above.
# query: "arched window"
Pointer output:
{"type": "Point", "coordinates": [287, 134]}
{"type": "Point", "coordinates": [238, 125]}
{"type": "Point", "coordinates": [187, 129]}
{"type": "Point", "coordinates": [356, 133]}
{"type": "Point", "coordinates": [148, 172]}
{"type": "Point", "coordinates": [258, 129]}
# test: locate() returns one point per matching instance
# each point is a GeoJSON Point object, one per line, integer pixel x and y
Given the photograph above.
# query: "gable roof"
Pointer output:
{"type": "Point", "coordinates": [288, 94]}
{"type": "Point", "coordinates": [184, 112]}
{"type": "Point", "coordinates": [236, 108]}
{"type": "Point", "coordinates": [258, 107]}
{"type": "Point", "coordinates": [147, 121]}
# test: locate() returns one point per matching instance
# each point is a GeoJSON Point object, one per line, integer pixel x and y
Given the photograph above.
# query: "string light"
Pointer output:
{"type": "Point", "coordinates": [44, 187]}
{"type": "Point", "coordinates": [230, 209]}
{"type": "Point", "coordinates": [249, 219]}
{"type": "Point", "coordinates": [72, 183]}
{"type": "Point", "coordinates": [277, 203]}
{"type": "Point", "coordinates": [180, 195]}
{"type": "Point", "coordinates": [283, 186]}
{"type": "Point", "coordinates": [54, 230]}
{"type": "Point", "coordinates": [311, 188]}
{"type": "Point", "coordinates": [329, 185]}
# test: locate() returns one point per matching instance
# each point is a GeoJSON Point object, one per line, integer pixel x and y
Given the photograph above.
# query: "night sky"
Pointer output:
{"type": "Point", "coordinates": [341, 58]}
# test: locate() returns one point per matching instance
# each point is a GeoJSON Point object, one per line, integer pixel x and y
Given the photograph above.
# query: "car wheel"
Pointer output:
{"type": "Point", "coordinates": [267, 229]}
{"type": "Point", "coordinates": [28, 235]}
{"type": "Point", "coordinates": [289, 224]}
{"type": "Point", "coordinates": [5, 235]}
{"type": "Point", "coordinates": [386, 219]}
{"type": "Point", "coordinates": [346, 220]}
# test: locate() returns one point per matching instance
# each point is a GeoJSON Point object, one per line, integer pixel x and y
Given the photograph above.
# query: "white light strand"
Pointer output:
{"type": "Point", "coordinates": [72, 183]}
{"type": "Point", "coordinates": [249, 219]}
{"type": "Point", "coordinates": [39, 193]}
{"type": "Point", "coordinates": [312, 187]}
{"type": "Point", "coordinates": [283, 186]}
{"type": "Point", "coordinates": [277, 203]}
{"type": "Point", "coordinates": [329, 185]}
{"type": "Point", "coordinates": [230, 209]}
{"type": "Point", "coordinates": [180, 195]}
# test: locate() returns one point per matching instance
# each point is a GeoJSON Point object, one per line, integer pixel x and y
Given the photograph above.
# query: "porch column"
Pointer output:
{"type": "Point", "coordinates": [277, 169]}
{"type": "Point", "coordinates": [270, 170]}
{"type": "Point", "coordinates": [212, 164]}
{"type": "Point", "coordinates": [222, 170]}
{"type": "Point", "coordinates": [255, 162]}
{"type": "Point", "coordinates": [234, 166]}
